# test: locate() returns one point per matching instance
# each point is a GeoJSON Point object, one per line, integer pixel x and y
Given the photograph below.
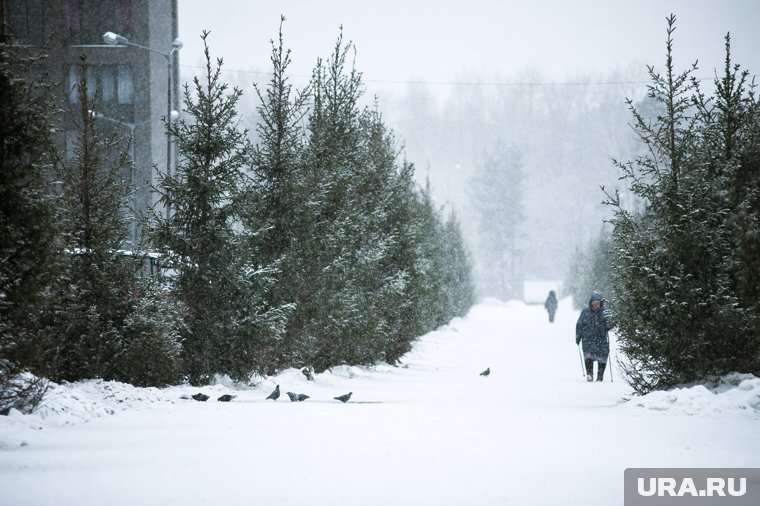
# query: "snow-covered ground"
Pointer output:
{"type": "Point", "coordinates": [431, 432]}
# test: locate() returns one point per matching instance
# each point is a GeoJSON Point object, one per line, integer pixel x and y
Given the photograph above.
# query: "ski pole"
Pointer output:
{"type": "Point", "coordinates": [583, 366]}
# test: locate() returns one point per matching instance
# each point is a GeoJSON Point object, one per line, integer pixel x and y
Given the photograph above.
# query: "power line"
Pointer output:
{"type": "Point", "coordinates": [471, 83]}
{"type": "Point", "coordinates": [507, 83]}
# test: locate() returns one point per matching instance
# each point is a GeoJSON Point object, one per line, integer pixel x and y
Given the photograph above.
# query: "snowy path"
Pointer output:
{"type": "Point", "coordinates": [433, 432]}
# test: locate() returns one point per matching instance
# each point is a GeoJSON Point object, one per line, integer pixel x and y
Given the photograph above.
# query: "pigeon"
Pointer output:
{"type": "Point", "coordinates": [297, 397]}
{"type": "Point", "coordinates": [343, 398]}
{"type": "Point", "coordinates": [200, 397]}
{"type": "Point", "coordinates": [226, 398]}
{"type": "Point", "coordinates": [486, 372]}
{"type": "Point", "coordinates": [275, 393]}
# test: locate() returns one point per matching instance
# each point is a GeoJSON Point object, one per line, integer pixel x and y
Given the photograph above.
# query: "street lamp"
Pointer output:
{"type": "Point", "coordinates": [114, 39]}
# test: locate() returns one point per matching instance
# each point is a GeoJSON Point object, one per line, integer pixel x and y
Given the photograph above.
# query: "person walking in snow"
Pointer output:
{"type": "Point", "coordinates": [593, 329]}
{"type": "Point", "coordinates": [551, 305]}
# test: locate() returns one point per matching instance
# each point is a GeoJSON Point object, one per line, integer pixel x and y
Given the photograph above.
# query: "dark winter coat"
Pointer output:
{"type": "Point", "coordinates": [551, 303]}
{"type": "Point", "coordinates": [593, 329]}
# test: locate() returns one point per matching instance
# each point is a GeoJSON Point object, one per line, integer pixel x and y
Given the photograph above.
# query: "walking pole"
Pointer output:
{"type": "Point", "coordinates": [609, 361]}
{"type": "Point", "coordinates": [583, 366]}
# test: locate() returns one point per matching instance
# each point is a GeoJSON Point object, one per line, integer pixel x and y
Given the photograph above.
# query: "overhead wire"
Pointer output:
{"type": "Point", "coordinates": [468, 83]}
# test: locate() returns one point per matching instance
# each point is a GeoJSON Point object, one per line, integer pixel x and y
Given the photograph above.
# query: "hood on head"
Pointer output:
{"type": "Point", "coordinates": [596, 296]}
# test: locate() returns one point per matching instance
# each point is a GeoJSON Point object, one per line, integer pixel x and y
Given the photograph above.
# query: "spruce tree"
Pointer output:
{"type": "Point", "coordinates": [27, 225]}
{"type": "Point", "coordinates": [91, 297]}
{"type": "Point", "coordinates": [679, 314]}
{"type": "Point", "coordinates": [327, 313]}
{"type": "Point", "coordinates": [428, 291]}
{"type": "Point", "coordinates": [362, 273]}
{"type": "Point", "coordinates": [728, 133]}
{"type": "Point", "coordinates": [218, 278]}
{"type": "Point", "coordinates": [406, 255]}
{"type": "Point", "coordinates": [275, 200]}
{"type": "Point", "coordinates": [458, 280]}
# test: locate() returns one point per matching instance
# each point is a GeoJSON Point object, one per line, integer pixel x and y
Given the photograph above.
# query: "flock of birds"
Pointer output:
{"type": "Point", "coordinates": [302, 397]}
{"type": "Point", "coordinates": [274, 396]}
{"type": "Point", "coordinates": [293, 396]}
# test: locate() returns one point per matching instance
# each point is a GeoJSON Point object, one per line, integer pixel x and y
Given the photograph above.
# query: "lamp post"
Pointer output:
{"type": "Point", "coordinates": [114, 39]}
{"type": "Point", "coordinates": [131, 126]}
{"type": "Point", "coordinates": [136, 201]}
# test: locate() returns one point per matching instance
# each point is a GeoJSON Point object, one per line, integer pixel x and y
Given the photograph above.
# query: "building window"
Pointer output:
{"type": "Point", "coordinates": [126, 84]}
{"type": "Point", "coordinates": [107, 84]}
{"type": "Point", "coordinates": [111, 84]}
{"type": "Point", "coordinates": [85, 21]}
{"type": "Point", "coordinates": [75, 78]}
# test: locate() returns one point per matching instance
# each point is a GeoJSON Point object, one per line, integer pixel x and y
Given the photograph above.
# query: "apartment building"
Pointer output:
{"type": "Point", "coordinates": [133, 71]}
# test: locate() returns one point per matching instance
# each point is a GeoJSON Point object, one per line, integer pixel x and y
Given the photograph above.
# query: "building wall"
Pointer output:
{"type": "Point", "coordinates": [132, 82]}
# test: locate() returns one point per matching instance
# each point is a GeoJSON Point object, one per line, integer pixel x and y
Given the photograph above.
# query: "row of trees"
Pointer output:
{"type": "Point", "coordinates": [310, 248]}
{"type": "Point", "coordinates": [496, 196]}
{"type": "Point", "coordinates": [685, 271]}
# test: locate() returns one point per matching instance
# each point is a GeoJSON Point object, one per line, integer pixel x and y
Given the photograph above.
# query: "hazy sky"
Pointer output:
{"type": "Point", "coordinates": [447, 40]}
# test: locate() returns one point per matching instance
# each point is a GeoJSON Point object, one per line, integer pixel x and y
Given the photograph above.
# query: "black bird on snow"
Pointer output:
{"type": "Point", "coordinates": [200, 397]}
{"type": "Point", "coordinates": [297, 397]}
{"type": "Point", "coordinates": [486, 372]}
{"type": "Point", "coordinates": [343, 398]}
{"type": "Point", "coordinates": [226, 398]}
{"type": "Point", "coordinates": [275, 393]}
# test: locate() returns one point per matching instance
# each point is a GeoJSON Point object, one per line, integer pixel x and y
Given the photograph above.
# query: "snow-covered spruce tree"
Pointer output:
{"type": "Point", "coordinates": [358, 247]}
{"type": "Point", "coordinates": [340, 219]}
{"type": "Point", "coordinates": [275, 200]}
{"type": "Point", "coordinates": [279, 151]}
{"type": "Point", "coordinates": [442, 287]}
{"type": "Point", "coordinates": [218, 279]}
{"type": "Point", "coordinates": [153, 331]}
{"type": "Point", "coordinates": [428, 289]}
{"type": "Point", "coordinates": [496, 194]}
{"type": "Point", "coordinates": [27, 226]}
{"type": "Point", "coordinates": [458, 279]}
{"type": "Point", "coordinates": [408, 317]}
{"type": "Point", "coordinates": [327, 319]}
{"type": "Point", "coordinates": [91, 296]}
{"type": "Point", "coordinates": [678, 315]}
{"type": "Point", "coordinates": [745, 226]}
{"type": "Point", "coordinates": [422, 272]}
{"type": "Point", "coordinates": [380, 240]}
{"type": "Point", "coordinates": [729, 126]}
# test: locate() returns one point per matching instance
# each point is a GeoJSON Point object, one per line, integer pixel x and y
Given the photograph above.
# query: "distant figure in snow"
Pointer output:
{"type": "Point", "coordinates": [593, 329]}
{"type": "Point", "coordinates": [551, 305]}
{"type": "Point", "coordinates": [343, 398]}
{"type": "Point", "coordinates": [486, 372]}
{"type": "Point", "coordinates": [200, 397]}
{"type": "Point", "coordinates": [275, 393]}
{"type": "Point", "coordinates": [226, 398]}
{"type": "Point", "coordinates": [297, 397]}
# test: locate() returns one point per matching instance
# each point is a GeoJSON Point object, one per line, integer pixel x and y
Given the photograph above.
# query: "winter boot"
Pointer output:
{"type": "Point", "coordinates": [600, 371]}
{"type": "Point", "coordinates": [589, 370]}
